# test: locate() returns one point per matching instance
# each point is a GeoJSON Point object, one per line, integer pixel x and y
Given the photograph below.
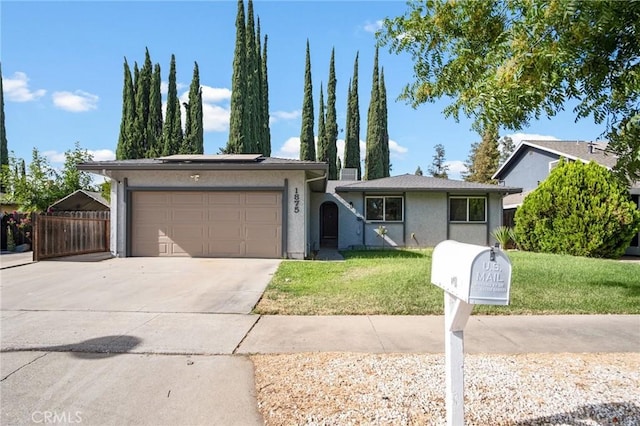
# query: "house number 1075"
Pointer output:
{"type": "Point", "coordinates": [296, 202]}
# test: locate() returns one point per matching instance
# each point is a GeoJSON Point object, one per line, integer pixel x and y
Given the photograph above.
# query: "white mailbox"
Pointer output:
{"type": "Point", "coordinates": [473, 274]}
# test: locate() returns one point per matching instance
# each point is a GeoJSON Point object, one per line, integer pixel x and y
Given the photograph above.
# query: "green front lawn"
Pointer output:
{"type": "Point", "coordinates": [398, 283]}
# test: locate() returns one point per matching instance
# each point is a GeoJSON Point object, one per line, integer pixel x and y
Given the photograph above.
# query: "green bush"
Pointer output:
{"type": "Point", "coordinates": [581, 210]}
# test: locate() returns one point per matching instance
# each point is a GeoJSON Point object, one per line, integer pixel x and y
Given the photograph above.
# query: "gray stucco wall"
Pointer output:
{"type": "Point", "coordinates": [531, 167]}
{"type": "Point", "coordinates": [296, 244]}
{"type": "Point", "coordinates": [425, 221]}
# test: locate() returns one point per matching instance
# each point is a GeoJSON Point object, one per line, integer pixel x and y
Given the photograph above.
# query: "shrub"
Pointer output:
{"type": "Point", "coordinates": [580, 209]}
{"type": "Point", "coordinates": [503, 235]}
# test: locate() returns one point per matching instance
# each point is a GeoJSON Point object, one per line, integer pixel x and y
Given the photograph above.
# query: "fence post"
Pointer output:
{"type": "Point", "coordinates": [35, 237]}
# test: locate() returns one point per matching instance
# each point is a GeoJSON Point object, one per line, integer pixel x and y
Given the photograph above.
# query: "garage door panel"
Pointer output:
{"type": "Point", "coordinates": [200, 223]}
{"type": "Point", "coordinates": [262, 198]}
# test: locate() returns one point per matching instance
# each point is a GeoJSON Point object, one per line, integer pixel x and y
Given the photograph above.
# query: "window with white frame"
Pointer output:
{"type": "Point", "coordinates": [468, 209]}
{"type": "Point", "coordinates": [384, 208]}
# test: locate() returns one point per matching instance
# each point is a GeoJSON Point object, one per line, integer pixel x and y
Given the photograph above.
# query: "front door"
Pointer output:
{"type": "Point", "coordinates": [329, 225]}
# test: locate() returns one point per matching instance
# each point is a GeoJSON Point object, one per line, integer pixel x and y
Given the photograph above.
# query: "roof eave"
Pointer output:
{"type": "Point", "coordinates": [102, 168]}
{"type": "Point", "coordinates": [506, 190]}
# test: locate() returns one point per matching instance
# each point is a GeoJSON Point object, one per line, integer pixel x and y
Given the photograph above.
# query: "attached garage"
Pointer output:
{"type": "Point", "coordinates": [236, 205]}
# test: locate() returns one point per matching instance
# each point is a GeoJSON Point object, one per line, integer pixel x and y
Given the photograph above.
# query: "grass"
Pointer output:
{"type": "Point", "coordinates": [398, 283]}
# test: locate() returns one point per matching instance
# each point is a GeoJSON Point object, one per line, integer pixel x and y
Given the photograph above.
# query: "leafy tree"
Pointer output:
{"type": "Point", "coordinates": [105, 190]}
{"type": "Point", "coordinates": [374, 168]}
{"type": "Point", "coordinates": [331, 129]}
{"type": "Point", "coordinates": [71, 179]}
{"type": "Point", "coordinates": [37, 189]}
{"type": "Point", "coordinates": [172, 130]}
{"type": "Point", "coordinates": [352, 138]}
{"type": "Point", "coordinates": [438, 167]}
{"type": "Point", "coordinates": [126, 148]}
{"type": "Point", "coordinates": [323, 146]}
{"type": "Point", "coordinates": [505, 62]}
{"type": "Point", "coordinates": [237, 125]}
{"type": "Point", "coordinates": [193, 141]}
{"type": "Point", "coordinates": [384, 126]}
{"type": "Point", "coordinates": [418, 171]}
{"type": "Point", "coordinates": [484, 158]}
{"type": "Point", "coordinates": [581, 210]}
{"type": "Point", "coordinates": [307, 143]}
{"type": "Point", "coordinates": [506, 148]}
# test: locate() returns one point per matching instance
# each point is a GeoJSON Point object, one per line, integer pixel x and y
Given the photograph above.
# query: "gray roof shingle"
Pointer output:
{"type": "Point", "coordinates": [409, 183]}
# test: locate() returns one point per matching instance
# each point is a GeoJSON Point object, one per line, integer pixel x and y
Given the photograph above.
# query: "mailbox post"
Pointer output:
{"type": "Point", "coordinates": [469, 275]}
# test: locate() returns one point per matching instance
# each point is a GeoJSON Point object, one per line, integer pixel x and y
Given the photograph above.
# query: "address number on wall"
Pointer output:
{"type": "Point", "coordinates": [296, 202]}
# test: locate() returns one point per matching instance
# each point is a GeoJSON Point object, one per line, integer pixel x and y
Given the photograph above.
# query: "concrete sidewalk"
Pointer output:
{"type": "Point", "coordinates": [227, 334]}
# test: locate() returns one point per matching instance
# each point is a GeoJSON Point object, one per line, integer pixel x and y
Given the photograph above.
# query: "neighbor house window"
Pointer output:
{"type": "Point", "coordinates": [467, 209]}
{"type": "Point", "coordinates": [384, 209]}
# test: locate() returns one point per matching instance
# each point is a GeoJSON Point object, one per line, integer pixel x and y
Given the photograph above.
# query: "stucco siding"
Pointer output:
{"type": "Point", "coordinates": [393, 238]}
{"type": "Point", "coordinates": [295, 245]}
{"type": "Point", "coordinates": [531, 167]}
{"type": "Point", "coordinates": [472, 233]}
{"type": "Point", "coordinates": [494, 214]}
{"type": "Point", "coordinates": [350, 223]}
{"type": "Point", "coordinates": [426, 218]}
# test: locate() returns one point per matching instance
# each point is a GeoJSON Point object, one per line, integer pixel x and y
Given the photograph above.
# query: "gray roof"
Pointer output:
{"type": "Point", "coordinates": [203, 162]}
{"type": "Point", "coordinates": [82, 200]}
{"type": "Point", "coordinates": [573, 150]}
{"type": "Point", "coordinates": [413, 183]}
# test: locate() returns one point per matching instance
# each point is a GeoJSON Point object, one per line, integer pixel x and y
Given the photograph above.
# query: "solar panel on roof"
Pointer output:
{"type": "Point", "coordinates": [211, 158]}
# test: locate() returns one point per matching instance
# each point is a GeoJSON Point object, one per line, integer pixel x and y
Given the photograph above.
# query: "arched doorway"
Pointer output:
{"type": "Point", "coordinates": [329, 225]}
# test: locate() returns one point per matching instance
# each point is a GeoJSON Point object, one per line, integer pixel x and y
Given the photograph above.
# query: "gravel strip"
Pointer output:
{"type": "Point", "coordinates": [527, 389]}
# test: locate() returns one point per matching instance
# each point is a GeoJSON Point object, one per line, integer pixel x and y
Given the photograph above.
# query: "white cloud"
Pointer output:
{"type": "Point", "coordinates": [164, 87]}
{"type": "Point", "coordinates": [396, 150]}
{"type": "Point", "coordinates": [78, 101]}
{"type": "Point", "coordinates": [215, 94]}
{"type": "Point", "coordinates": [456, 168]}
{"type": "Point", "coordinates": [215, 118]}
{"type": "Point", "coordinates": [517, 138]}
{"type": "Point", "coordinates": [54, 156]}
{"type": "Point", "coordinates": [102, 154]}
{"type": "Point", "coordinates": [290, 148]}
{"type": "Point", "coordinates": [372, 27]}
{"type": "Point", "coordinates": [17, 89]}
{"type": "Point", "coordinates": [276, 116]}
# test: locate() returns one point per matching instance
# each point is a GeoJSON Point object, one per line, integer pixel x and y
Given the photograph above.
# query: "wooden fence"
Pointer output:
{"type": "Point", "coordinates": [70, 233]}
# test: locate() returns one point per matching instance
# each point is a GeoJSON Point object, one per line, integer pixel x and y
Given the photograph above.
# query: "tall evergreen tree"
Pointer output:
{"type": "Point", "coordinates": [438, 167]}
{"type": "Point", "coordinates": [172, 131]}
{"type": "Point", "coordinates": [259, 97]}
{"type": "Point", "coordinates": [384, 127]}
{"type": "Point", "coordinates": [126, 148]}
{"type": "Point", "coordinates": [142, 96]}
{"type": "Point", "coordinates": [237, 125]}
{"type": "Point", "coordinates": [418, 171]}
{"type": "Point", "coordinates": [154, 122]}
{"type": "Point", "coordinates": [266, 131]}
{"type": "Point", "coordinates": [352, 138]}
{"type": "Point", "coordinates": [506, 148]}
{"type": "Point", "coordinates": [332, 120]}
{"type": "Point", "coordinates": [193, 142]}
{"type": "Point", "coordinates": [251, 100]}
{"type": "Point", "coordinates": [323, 146]}
{"type": "Point", "coordinates": [484, 158]}
{"type": "Point", "coordinates": [374, 161]}
{"type": "Point", "coordinates": [307, 143]}
{"type": "Point", "coordinates": [4, 150]}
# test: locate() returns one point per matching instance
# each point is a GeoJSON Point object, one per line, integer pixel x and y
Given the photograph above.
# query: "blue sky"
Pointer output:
{"type": "Point", "coordinates": [62, 66]}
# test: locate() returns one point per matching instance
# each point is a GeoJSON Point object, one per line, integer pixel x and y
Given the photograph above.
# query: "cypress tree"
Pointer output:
{"type": "Point", "coordinates": [266, 136]}
{"type": "Point", "coordinates": [259, 97]}
{"type": "Point", "coordinates": [374, 161]}
{"type": "Point", "coordinates": [4, 150]}
{"type": "Point", "coordinates": [142, 95]}
{"type": "Point", "coordinates": [172, 130]}
{"type": "Point", "coordinates": [307, 144]}
{"type": "Point", "coordinates": [192, 142]}
{"type": "Point", "coordinates": [252, 102]}
{"type": "Point", "coordinates": [154, 123]}
{"type": "Point", "coordinates": [323, 147]}
{"type": "Point", "coordinates": [236, 142]}
{"type": "Point", "coordinates": [352, 138]}
{"type": "Point", "coordinates": [384, 126]}
{"type": "Point", "coordinates": [332, 120]}
{"type": "Point", "coordinates": [125, 150]}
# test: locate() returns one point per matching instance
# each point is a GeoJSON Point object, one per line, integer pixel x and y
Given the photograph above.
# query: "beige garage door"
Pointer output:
{"type": "Point", "coordinates": [207, 224]}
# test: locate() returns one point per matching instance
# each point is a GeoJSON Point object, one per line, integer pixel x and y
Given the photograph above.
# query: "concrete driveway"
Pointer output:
{"type": "Point", "coordinates": [129, 341]}
{"type": "Point", "coordinates": [230, 286]}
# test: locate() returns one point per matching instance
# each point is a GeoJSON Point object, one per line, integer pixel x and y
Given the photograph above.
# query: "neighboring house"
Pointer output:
{"type": "Point", "coordinates": [81, 200]}
{"type": "Point", "coordinates": [249, 206]}
{"type": "Point", "coordinates": [532, 161]}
